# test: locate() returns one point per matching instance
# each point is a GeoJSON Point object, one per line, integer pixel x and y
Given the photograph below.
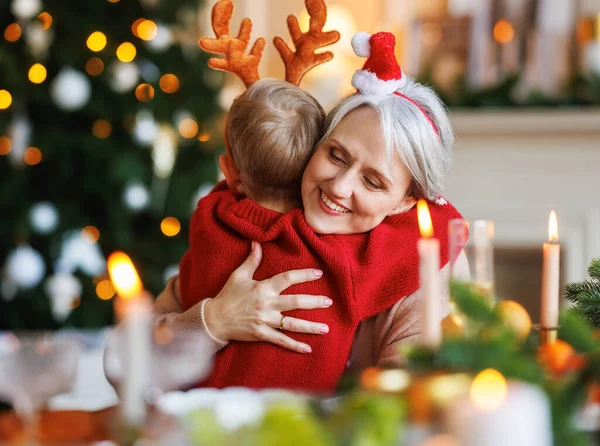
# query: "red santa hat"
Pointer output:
{"type": "Point", "coordinates": [381, 74]}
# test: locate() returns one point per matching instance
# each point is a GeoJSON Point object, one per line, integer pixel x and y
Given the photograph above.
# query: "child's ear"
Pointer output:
{"type": "Point", "coordinates": [405, 205]}
{"type": "Point", "coordinates": [230, 170]}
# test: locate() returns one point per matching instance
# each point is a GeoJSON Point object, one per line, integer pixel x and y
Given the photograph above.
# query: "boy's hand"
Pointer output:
{"type": "Point", "coordinates": [248, 310]}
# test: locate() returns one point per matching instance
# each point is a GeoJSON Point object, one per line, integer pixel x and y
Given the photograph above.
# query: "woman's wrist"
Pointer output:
{"type": "Point", "coordinates": [210, 316]}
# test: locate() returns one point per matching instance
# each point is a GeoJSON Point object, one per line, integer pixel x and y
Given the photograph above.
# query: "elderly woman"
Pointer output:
{"type": "Point", "coordinates": [384, 147]}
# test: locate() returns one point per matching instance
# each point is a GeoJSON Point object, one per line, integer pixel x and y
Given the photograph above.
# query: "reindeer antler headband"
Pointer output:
{"type": "Point", "coordinates": [297, 63]}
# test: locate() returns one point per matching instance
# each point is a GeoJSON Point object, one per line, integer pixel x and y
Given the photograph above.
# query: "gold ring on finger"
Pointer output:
{"type": "Point", "coordinates": [282, 321]}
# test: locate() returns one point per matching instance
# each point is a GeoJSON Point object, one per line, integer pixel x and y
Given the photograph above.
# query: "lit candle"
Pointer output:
{"type": "Point", "coordinates": [429, 276]}
{"type": "Point", "coordinates": [550, 277]}
{"type": "Point", "coordinates": [134, 310]}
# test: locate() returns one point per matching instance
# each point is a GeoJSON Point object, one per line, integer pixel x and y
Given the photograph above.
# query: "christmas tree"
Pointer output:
{"type": "Point", "coordinates": [109, 131]}
{"type": "Point", "coordinates": [585, 295]}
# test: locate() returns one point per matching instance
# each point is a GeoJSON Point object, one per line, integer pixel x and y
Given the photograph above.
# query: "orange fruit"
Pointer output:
{"type": "Point", "coordinates": [558, 356]}
{"type": "Point", "coordinates": [515, 317]}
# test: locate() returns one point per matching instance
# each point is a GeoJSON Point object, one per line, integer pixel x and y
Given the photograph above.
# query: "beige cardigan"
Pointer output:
{"type": "Point", "coordinates": [377, 341]}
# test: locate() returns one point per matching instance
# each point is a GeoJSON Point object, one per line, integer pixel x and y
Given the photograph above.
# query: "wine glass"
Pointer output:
{"type": "Point", "coordinates": [33, 368]}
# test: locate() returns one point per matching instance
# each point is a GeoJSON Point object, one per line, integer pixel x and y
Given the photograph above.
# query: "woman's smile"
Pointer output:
{"type": "Point", "coordinates": [330, 206]}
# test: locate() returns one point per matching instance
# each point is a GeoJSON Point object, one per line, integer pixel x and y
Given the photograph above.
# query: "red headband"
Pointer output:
{"type": "Point", "coordinates": [397, 93]}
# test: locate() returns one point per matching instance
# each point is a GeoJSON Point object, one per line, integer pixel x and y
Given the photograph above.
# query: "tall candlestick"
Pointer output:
{"type": "Point", "coordinates": [429, 276]}
{"type": "Point", "coordinates": [550, 277]}
{"type": "Point", "coordinates": [134, 310]}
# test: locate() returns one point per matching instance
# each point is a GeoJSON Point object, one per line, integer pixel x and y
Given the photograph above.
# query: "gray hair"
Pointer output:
{"type": "Point", "coordinates": [406, 130]}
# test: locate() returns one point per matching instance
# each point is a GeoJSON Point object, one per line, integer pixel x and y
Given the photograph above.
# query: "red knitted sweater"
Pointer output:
{"type": "Point", "coordinates": [364, 274]}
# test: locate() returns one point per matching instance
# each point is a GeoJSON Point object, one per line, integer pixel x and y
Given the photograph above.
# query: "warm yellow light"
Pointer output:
{"type": "Point", "coordinates": [144, 92]}
{"type": "Point", "coordinates": [489, 389]}
{"type": "Point", "coordinates": [5, 145]}
{"type": "Point", "coordinates": [5, 99]}
{"type": "Point", "coordinates": [101, 129]}
{"type": "Point", "coordinates": [96, 41]}
{"type": "Point", "coordinates": [553, 228]}
{"type": "Point", "coordinates": [135, 25]}
{"type": "Point", "coordinates": [37, 73]}
{"type": "Point", "coordinates": [188, 128]}
{"type": "Point", "coordinates": [169, 83]}
{"type": "Point", "coordinates": [32, 156]}
{"type": "Point", "coordinates": [105, 290]}
{"type": "Point", "coordinates": [123, 275]}
{"type": "Point", "coordinates": [170, 226]}
{"type": "Point", "coordinates": [503, 31]}
{"type": "Point", "coordinates": [203, 137]}
{"type": "Point", "coordinates": [45, 19]}
{"type": "Point", "coordinates": [113, 1]}
{"type": "Point", "coordinates": [94, 66]}
{"type": "Point", "coordinates": [13, 32]}
{"type": "Point", "coordinates": [126, 52]}
{"type": "Point", "coordinates": [90, 234]}
{"type": "Point", "coordinates": [424, 217]}
{"type": "Point", "coordinates": [147, 30]}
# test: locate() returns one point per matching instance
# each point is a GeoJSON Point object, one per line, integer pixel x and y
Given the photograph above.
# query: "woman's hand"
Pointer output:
{"type": "Point", "coordinates": [247, 310]}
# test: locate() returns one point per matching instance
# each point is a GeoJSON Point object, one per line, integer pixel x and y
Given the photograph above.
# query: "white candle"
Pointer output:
{"type": "Point", "coordinates": [499, 414]}
{"type": "Point", "coordinates": [134, 310]}
{"type": "Point", "coordinates": [550, 277]}
{"type": "Point", "coordinates": [429, 279]}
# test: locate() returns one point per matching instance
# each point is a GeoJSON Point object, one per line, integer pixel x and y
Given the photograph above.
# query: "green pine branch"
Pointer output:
{"type": "Point", "coordinates": [585, 295]}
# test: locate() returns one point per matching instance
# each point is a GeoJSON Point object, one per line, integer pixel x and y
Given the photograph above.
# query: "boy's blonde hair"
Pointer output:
{"type": "Point", "coordinates": [272, 131]}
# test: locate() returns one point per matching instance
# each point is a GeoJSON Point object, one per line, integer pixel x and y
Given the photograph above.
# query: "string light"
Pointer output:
{"type": "Point", "coordinates": [135, 25]}
{"type": "Point", "coordinates": [96, 41]}
{"type": "Point", "coordinates": [147, 30]}
{"type": "Point", "coordinates": [46, 20]}
{"type": "Point", "coordinates": [13, 32]}
{"type": "Point", "coordinates": [105, 290]}
{"type": "Point", "coordinates": [204, 137]}
{"type": "Point", "coordinates": [5, 145]}
{"type": "Point", "coordinates": [101, 129]}
{"type": "Point", "coordinates": [32, 156]}
{"type": "Point", "coordinates": [90, 234]}
{"type": "Point", "coordinates": [113, 1]}
{"type": "Point", "coordinates": [144, 92]}
{"type": "Point", "coordinates": [5, 99]}
{"type": "Point", "coordinates": [188, 128]}
{"type": "Point", "coordinates": [170, 226]}
{"type": "Point", "coordinates": [169, 83]}
{"type": "Point", "coordinates": [37, 73]}
{"type": "Point", "coordinates": [94, 66]}
{"type": "Point", "coordinates": [126, 52]}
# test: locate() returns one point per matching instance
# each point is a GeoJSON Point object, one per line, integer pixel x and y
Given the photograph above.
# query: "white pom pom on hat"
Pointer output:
{"type": "Point", "coordinates": [361, 44]}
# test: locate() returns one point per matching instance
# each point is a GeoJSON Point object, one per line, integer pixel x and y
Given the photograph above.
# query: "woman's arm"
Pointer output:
{"type": "Point", "coordinates": [379, 339]}
{"type": "Point", "coordinates": [245, 309]}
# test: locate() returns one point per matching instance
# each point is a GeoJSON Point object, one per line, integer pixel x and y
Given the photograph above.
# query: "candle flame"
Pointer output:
{"type": "Point", "coordinates": [123, 275]}
{"type": "Point", "coordinates": [553, 228]}
{"type": "Point", "coordinates": [489, 389]}
{"type": "Point", "coordinates": [424, 217]}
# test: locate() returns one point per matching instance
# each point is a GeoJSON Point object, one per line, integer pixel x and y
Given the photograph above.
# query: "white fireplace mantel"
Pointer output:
{"type": "Point", "coordinates": [515, 166]}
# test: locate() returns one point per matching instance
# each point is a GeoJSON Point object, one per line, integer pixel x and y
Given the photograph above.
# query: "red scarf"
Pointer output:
{"type": "Point", "coordinates": [364, 274]}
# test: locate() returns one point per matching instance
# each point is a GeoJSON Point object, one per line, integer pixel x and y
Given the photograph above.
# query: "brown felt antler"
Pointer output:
{"type": "Point", "coordinates": [234, 48]}
{"type": "Point", "coordinates": [298, 63]}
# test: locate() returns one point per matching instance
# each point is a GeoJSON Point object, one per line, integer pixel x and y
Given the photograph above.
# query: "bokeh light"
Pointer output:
{"type": "Point", "coordinates": [503, 31]}
{"type": "Point", "coordinates": [32, 156]}
{"type": "Point", "coordinates": [5, 99]}
{"type": "Point", "coordinates": [147, 30]}
{"type": "Point", "coordinates": [113, 1]}
{"type": "Point", "coordinates": [188, 128]}
{"type": "Point", "coordinates": [13, 32]}
{"type": "Point", "coordinates": [489, 390]}
{"type": "Point", "coordinates": [90, 234]}
{"type": "Point", "coordinates": [101, 129]}
{"type": "Point", "coordinates": [135, 25]}
{"type": "Point", "coordinates": [126, 52]}
{"type": "Point", "coordinates": [46, 20]}
{"type": "Point", "coordinates": [37, 73]}
{"type": "Point", "coordinates": [96, 41]}
{"type": "Point", "coordinates": [5, 145]}
{"type": "Point", "coordinates": [144, 92]}
{"type": "Point", "coordinates": [94, 66]}
{"type": "Point", "coordinates": [169, 83]}
{"type": "Point", "coordinates": [204, 137]}
{"type": "Point", "coordinates": [105, 290]}
{"type": "Point", "coordinates": [170, 226]}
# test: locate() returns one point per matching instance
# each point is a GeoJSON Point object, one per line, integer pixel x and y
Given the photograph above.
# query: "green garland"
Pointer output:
{"type": "Point", "coordinates": [585, 295]}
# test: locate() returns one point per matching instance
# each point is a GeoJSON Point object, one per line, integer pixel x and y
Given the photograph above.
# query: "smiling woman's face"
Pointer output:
{"type": "Point", "coordinates": [349, 186]}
